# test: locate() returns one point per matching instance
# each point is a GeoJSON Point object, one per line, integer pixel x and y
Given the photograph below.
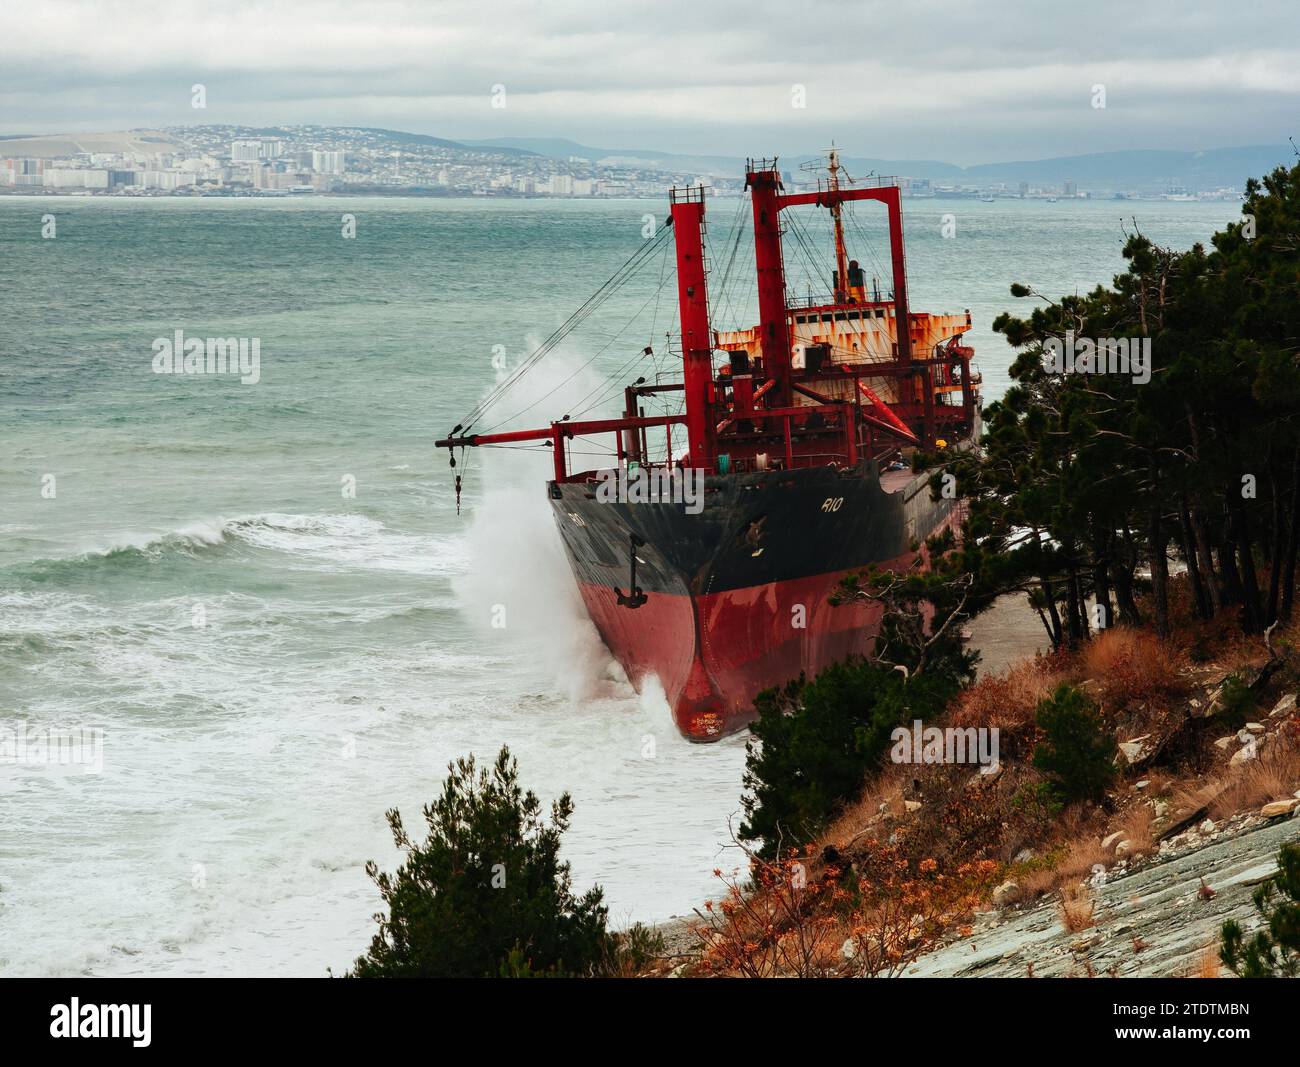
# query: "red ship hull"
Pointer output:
{"type": "Point", "coordinates": [713, 654]}
{"type": "Point", "coordinates": [727, 612]}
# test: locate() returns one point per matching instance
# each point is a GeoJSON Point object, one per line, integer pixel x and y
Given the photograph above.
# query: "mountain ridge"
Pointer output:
{"type": "Point", "coordinates": [1116, 169]}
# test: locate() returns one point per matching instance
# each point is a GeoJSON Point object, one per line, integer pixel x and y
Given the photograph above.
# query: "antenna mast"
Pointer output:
{"type": "Point", "coordinates": [841, 256]}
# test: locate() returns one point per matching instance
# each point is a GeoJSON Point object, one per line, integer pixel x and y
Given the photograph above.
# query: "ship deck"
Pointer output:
{"type": "Point", "coordinates": [896, 481]}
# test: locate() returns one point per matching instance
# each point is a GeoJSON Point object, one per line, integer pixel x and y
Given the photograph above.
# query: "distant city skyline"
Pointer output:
{"type": "Point", "coordinates": [228, 160]}
{"type": "Point", "coordinates": [931, 81]}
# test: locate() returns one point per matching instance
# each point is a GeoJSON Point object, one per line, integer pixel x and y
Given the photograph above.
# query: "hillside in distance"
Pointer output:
{"type": "Point", "coordinates": [1146, 170]}
{"type": "Point", "coordinates": [1136, 170]}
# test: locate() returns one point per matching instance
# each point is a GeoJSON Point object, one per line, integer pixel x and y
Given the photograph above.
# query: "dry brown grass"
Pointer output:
{"type": "Point", "coordinates": [892, 785]}
{"type": "Point", "coordinates": [1273, 775]}
{"type": "Point", "coordinates": [1218, 643]}
{"type": "Point", "coordinates": [1134, 667]}
{"type": "Point", "coordinates": [1137, 829]}
{"type": "Point", "coordinates": [1078, 851]}
{"type": "Point", "coordinates": [1077, 862]}
{"type": "Point", "coordinates": [1076, 908]}
{"type": "Point", "coordinates": [1009, 701]}
{"type": "Point", "coordinates": [1159, 782]}
{"type": "Point", "coordinates": [1187, 797]}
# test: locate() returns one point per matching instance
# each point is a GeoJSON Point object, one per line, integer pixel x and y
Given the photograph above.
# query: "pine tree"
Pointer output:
{"type": "Point", "coordinates": [485, 894]}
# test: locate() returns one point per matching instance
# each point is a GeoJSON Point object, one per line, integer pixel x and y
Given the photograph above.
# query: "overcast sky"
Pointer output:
{"type": "Point", "coordinates": [962, 82]}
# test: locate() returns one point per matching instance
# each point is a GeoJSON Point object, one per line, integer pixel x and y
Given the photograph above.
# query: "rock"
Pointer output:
{"type": "Point", "coordinates": [1223, 742]}
{"type": "Point", "coordinates": [1243, 754]}
{"type": "Point", "coordinates": [1207, 827]}
{"type": "Point", "coordinates": [1139, 786]}
{"type": "Point", "coordinates": [1279, 807]}
{"type": "Point", "coordinates": [1255, 727]}
{"type": "Point", "coordinates": [1124, 849]}
{"type": "Point", "coordinates": [1108, 843]}
{"type": "Point", "coordinates": [912, 805]}
{"type": "Point", "coordinates": [985, 776]}
{"type": "Point", "coordinates": [1024, 855]}
{"type": "Point", "coordinates": [1283, 707]}
{"type": "Point", "coordinates": [1160, 806]}
{"type": "Point", "coordinates": [1006, 894]}
{"type": "Point", "coordinates": [1136, 750]}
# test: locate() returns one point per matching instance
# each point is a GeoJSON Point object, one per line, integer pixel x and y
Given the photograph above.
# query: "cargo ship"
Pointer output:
{"type": "Point", "coordinates": [796, 435]}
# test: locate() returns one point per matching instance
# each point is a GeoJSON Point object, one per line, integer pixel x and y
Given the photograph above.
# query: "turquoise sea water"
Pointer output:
{"type": "Point", "coordinates": [274, 659]}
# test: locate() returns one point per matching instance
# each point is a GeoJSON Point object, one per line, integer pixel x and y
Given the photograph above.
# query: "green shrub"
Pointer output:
{"type": "Point", "coordinates": [1273, 952]}
{"type": "Point", "coordinates": [1077, 753]}
{"type": "Point", "coordinates": [1036, 804]}
{"type": "Point", "coordinates": [814, 741]}
{"type": "Point", "coordinates": [1236, 701]}
{"type": "Point", "coordinates": [634, 950]}
{"type": "Point", "coordinates": [485, 894]}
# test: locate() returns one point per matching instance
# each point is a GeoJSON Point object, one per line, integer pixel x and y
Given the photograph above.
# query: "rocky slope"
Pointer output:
{"type": "Point", "coordinates": [1155, 921]}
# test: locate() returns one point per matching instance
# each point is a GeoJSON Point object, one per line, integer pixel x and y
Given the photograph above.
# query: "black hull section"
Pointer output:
{"type": "Point", "coordinates": [754, 529]}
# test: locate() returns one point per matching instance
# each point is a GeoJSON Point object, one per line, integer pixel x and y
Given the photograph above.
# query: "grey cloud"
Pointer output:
{"type": "Point", "coordinates": [949, 80]}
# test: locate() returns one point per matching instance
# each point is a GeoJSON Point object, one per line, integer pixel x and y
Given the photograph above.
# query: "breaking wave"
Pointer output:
{"type": "Point", "coordinates": [323, 541]}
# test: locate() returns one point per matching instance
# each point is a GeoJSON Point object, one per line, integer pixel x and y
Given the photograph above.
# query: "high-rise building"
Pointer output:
{"type": "Point", "coordinates": [75, 178]}
{"type": "Point", "coordinates": [250, 149]}
{"type": "Point", "coordinates": [30, 172]}
{"type": "Point", "coordinates": [329, 162]}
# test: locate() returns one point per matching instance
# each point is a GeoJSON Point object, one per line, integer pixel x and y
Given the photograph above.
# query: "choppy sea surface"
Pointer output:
{"type": "Point", "coordinates": [260, 597]}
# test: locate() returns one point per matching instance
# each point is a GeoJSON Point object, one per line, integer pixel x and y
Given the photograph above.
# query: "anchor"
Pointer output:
{"type": "Point", "coordinates": [635, 598]}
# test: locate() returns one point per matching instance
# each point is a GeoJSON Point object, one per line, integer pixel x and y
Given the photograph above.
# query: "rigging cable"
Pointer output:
{"type": "Point", "coordinates": [612, 285]}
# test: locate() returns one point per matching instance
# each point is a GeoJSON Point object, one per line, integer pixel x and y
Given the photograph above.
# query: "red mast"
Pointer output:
{"type": "Point", "coordinates": [891, 197]}
{"type": "Point", "coordinates": [764, 182]}
{"type": "Point", "coordinates": [697, 338]}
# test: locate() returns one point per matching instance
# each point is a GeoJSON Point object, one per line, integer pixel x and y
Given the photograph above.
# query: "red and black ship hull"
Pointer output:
{"type": "Point", "coordinates": [735, 599]}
